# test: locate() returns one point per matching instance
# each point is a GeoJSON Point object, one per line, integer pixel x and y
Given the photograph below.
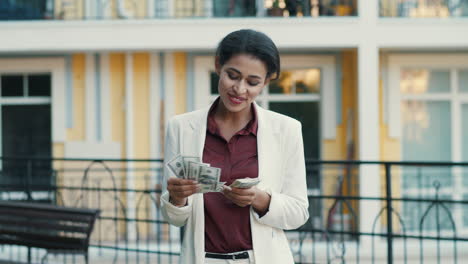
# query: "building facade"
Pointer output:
{"type": "Point", "coordinates": [369, 80]}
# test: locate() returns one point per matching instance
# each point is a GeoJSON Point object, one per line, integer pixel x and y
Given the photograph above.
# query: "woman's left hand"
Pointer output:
{"type": "Point", "coordinates": [253, 196]}
{"type": "Point", "coordinates": [241, 196]}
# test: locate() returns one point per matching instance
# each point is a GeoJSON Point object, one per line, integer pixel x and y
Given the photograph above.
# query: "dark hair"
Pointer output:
{"type": "Point", "coordinates": [251, 42]}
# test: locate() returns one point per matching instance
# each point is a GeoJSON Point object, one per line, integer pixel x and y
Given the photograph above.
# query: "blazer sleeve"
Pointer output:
{"type": "Point", "coordinates": [289, 207]}
{"type": "Point", "coordinates": [172, 214]}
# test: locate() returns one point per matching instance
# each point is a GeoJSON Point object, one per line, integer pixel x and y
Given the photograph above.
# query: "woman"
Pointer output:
{"type": "Point", "coordinates": [244, 140]}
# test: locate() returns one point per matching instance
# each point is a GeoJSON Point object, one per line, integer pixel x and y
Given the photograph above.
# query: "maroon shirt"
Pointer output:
{"type": "Point", "coordinates": [227, 226]}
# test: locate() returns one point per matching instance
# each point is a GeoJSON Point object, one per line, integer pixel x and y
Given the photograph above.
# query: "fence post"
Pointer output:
{"type": "Point", "coordinates": [388, 187]}
{"type": "Point", "coordinates": [29, 180]}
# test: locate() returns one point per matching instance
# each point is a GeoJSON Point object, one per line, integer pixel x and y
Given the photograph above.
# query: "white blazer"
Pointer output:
{"type": "Point", "coordinates": [282, 173]}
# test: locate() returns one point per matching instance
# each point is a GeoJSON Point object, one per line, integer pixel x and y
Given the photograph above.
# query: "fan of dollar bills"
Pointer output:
{"type": "Point", "coordinates": [190, 167]}
{"type": "Point", "coordinates": [187, 167]}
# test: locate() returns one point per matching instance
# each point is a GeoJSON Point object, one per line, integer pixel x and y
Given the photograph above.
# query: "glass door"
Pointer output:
{"type": "Point", "coordinates": [25, 130]}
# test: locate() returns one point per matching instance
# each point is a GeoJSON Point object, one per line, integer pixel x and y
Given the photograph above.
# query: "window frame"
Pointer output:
{"type": "Point", "coordinates": [453, 63]}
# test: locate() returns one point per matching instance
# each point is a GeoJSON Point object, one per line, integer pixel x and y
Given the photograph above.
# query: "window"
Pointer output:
{"type": "Point", "coordinates": [428, 112]}
{"type": "Point", "coordinates": [257, 8]}
{"type": "Point", "coordinates": [25, 128]}
{"type": "Point", "coordinates": [423, 8]}
{"type": "Point", "coordinates": [25, 85]}
{"type": "Point", "coordinates": [24, 9]}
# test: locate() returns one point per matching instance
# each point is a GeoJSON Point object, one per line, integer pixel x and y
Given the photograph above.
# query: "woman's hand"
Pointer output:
{"type": "Point", "coordinates": [180, 189]}
{"type": "Point", "coordinates": [259, 199]}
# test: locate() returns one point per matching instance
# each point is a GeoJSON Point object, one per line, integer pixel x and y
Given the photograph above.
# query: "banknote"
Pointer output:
{"type": "Point", "coordinates": [220, 186]}
{"type": "Point", "coordinates": [208, 179]}
{"type": "Point", "coordinates": [191, 167]}
{"type": "Point", "coordinates": [186, 160]}
{"type": "Point", "coordinates": [194, 169]}
{"type": "Point", "coordinates": [245, 182]}
{"type": "Point", "coordinates": [176, 165]}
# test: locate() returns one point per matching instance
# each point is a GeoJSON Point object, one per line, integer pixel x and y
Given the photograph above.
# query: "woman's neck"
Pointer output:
{"type": "Point", "coordinates": [234, 118]}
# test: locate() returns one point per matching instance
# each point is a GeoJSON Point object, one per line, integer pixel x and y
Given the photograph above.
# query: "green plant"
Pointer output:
{"type": "Point", "coordinates": [275, 4]}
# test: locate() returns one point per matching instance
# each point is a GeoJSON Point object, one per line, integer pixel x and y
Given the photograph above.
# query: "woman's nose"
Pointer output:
{"type": "Point", "coordinates": [240, 87]}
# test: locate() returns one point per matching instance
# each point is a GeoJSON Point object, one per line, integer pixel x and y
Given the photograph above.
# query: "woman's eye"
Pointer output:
{"type": "Point", "coordinates": [253, 83]}
{"type": "Point", "coordinates": [232, 76]}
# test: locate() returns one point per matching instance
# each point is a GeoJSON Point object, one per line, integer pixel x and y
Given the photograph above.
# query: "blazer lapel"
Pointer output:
{"type": "Point", "coordinates": [197, 134]}
{"type": "Point", "coordinates": [268, 149]}
{"type": "Point", "coordinates": [268, 145]}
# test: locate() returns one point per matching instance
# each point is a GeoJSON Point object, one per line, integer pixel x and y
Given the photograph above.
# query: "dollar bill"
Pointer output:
{"type": "Point", "coordinates": [220, 186]}
{"type": "Point", "coordinates": [209, 179]}
{"type": "Point", "coordinates": [194, 169]}
{"type": "Point", "coordinates": [176, 165]}
{"type": "Point", "coordinates": [191, 167]}
{"type": "Point", "coordinates": [186, 160]}
{"type": "Point", "coordinates": [245, 182]}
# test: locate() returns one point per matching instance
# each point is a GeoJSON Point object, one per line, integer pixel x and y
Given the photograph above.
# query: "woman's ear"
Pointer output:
{"type": "Point", "coordinates": [217, 66]}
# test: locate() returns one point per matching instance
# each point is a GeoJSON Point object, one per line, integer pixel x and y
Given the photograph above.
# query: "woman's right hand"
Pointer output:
{"type": "Point", "coordinates": [180, 189]}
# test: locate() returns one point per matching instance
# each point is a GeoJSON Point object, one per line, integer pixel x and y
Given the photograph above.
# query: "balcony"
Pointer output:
{"type": "Point", "coordinates": [425, 203]}
{"type": "Point", "coordinates": [424, 8]}
{"type": "Point", "coordinates": [164, 9]}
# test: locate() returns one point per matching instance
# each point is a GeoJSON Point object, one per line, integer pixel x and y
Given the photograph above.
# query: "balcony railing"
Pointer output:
{"type": "Point", "coordinates": [424, 8]}
{"type": "Point", "coordinates": [161, 9]}
{"type": "Point", "coordinates": [421, 215]}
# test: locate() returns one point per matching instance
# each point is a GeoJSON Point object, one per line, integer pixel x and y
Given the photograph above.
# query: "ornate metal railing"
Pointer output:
{"type": "Point", "coordinates": [421, 215]}
{"type": "Point", "coordinates": [423, 8]}
{"type": "Point", "coordinates": [147, 9]}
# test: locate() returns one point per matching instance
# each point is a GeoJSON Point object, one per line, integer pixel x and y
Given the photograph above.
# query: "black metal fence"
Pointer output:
{"type": "Point", "coordinates": [360, 212]}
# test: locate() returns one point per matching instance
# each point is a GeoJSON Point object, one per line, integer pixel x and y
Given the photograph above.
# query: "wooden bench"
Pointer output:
{"type": "Point", "coordinates": [57, 229]}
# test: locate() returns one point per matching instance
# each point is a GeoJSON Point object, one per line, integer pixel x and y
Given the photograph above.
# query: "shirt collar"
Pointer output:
{"type": "Point", "coordinates": [251, 127]}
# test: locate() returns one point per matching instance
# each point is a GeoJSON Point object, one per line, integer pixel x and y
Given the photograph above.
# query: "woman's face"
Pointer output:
{"type": "Point", "coordinates": [241, 80]}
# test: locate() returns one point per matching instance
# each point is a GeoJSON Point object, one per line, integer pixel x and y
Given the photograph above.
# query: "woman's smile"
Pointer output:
{"type": "Point", "coordinates": [236, 99]}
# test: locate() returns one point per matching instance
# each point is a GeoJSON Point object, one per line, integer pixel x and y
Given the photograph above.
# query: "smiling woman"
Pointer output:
{"type": "Point", "coordinates": [243, 140]}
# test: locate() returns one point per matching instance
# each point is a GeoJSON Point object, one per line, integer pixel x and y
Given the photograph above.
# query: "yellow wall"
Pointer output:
{"type": "Point", "coordinates": [74, 9]}
{"type": "Point", "coordinates": [117, 97]}
{"type": "Point", "coordinates": [66, 9]}
{"type": "Point", "coordinates": [141, 111]}
{"type": "Point", "coordinates": [137, 8]}
{"type": "Point", "coordinates": [337, 149]}
{"type": "Point", "coordinates": [180, 73]}
{"type": "Point", "coordinates": [184, 8]}
{"type": "Point", "coordinates": [77, 133]}
{"type": "Point", "coordinates": [141, 138]}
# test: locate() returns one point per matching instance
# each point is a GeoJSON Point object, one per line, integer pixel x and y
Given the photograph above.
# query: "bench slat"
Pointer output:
{"type": "Point", "coordinates": [32, 212]}
{"type": "Point", "coordinates": [47, 207]}
{"type": "Point", "coordinates": [44, 225]}
{"type": "Point", "coordinates": [43, 244]}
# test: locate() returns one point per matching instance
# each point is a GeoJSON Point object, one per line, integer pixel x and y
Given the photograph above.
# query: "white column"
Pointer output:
{"type": "Point", "coordinates": [90, 95]}
{"type": "Point", "coordinates": [88, 9]}
{"type": "Point", "coordinates": [261, 11]}
{"type": "Point", "coordinates": [131, 203]}
{"type": "Point", "coordinates": [106, 117]}
{"type": "Point", "coordinates": [155, 106]}
{"type": "Point", "coordinates": [150, 8]}
{"type": "Point", "coordinates": [457, 151]}
{"type": "Point", "coordinates": [208, 9]}
{"type": "Point", "coordinates": [368, 116]}
{"type": "Point", "coordinates": [169, 86]}
{"type": "Point", "coordinates": [155, 123]}
{"type": "Point", "coordinates": [169, 102]}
